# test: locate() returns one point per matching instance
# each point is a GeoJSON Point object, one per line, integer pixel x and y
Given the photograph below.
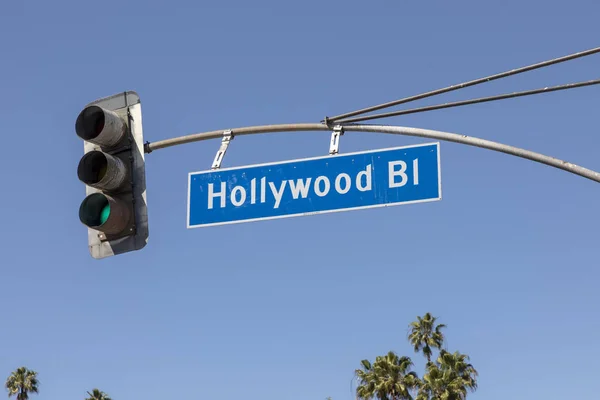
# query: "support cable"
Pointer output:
{"type": "Point", "coordinates": [472, 101]}
{"type": "Point", "coordinates": [329, 120]}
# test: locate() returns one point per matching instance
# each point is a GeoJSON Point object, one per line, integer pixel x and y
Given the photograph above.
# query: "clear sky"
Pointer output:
{"type": "Point", "coordinates": [286, 309]}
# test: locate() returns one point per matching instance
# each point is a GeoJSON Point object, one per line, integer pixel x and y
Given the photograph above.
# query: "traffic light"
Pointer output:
{"type": "Point", "coordinates": [113, 170]}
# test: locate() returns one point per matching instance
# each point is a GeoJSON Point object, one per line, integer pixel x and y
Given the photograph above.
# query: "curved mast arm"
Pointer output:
{"type": "Point", "coordinates": [395, 130]}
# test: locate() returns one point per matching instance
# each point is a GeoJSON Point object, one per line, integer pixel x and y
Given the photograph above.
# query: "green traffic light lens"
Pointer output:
{"type": "Point", "coordinates": [104, 214]}
{"type": "Point", "coordinates": [94, 210]}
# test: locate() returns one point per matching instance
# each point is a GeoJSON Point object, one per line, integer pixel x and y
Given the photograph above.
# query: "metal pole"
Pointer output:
{"type": "Point", "coordinates": [396, 130]}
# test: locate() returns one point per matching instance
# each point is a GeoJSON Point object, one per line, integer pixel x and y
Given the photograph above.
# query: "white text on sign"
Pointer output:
{"type": "Point", "coordinates": [300, 188]}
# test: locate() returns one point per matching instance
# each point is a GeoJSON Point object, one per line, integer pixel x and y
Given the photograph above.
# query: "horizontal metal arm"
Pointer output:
{"type": "Point", "coordinates": [250, 130]}
{"type": "Point", "coordinates": [395, 130]}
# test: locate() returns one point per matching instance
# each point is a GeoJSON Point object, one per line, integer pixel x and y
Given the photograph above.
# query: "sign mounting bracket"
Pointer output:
{"type": "Point", "coordinates": [334, 144]}
{"type": "Point", "coordinates": [227, 138]}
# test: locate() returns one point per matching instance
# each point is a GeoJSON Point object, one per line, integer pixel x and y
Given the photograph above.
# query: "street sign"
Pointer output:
{"type": "Point", "coordinates": [368, 179]}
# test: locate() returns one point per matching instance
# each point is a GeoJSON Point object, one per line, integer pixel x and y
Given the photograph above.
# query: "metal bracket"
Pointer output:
{"type": "Point", "coordinates": [227, 137]}
{"type": "Point", "coordinates": [334, 145]}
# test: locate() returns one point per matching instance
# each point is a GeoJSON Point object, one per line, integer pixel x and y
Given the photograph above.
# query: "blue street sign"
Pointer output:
{"type": "Point", "coordinates": [377, 178]}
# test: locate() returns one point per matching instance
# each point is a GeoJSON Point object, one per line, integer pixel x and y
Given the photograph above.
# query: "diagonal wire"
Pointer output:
{"type": "Point", "coordinates": [466, 84]}
{"type": "Point", "coordinates": [473, 101]}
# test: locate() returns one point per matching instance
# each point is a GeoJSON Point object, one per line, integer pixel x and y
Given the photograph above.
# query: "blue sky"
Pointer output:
{"type": "Point", "coordinates": [286, 309]}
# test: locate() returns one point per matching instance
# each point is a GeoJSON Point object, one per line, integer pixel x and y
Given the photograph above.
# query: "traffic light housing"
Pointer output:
{"type": "Point", "coordinates": [113, 170]}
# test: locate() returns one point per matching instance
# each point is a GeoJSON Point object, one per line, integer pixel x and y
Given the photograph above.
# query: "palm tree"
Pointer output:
{"type": "Point", "coordinates": [21, 382]}
{"type": "Point", "coordinates": [97, 395]}
{"type": "Point", "coordinates": [458, 365]}
{"type": "Point", "coordinates": [425, 335]}
{"type": "Point", "coordinates": [450, 378]}
{"type": "Point", "coordinates": [388, 378]}
{"type": "Point", "coordinates": [366, 376]}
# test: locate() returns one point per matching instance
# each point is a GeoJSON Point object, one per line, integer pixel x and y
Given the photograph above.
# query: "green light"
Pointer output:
{"type": "Point", "coordinates": [104, 213]}
{"type": "Point", "coordinates": [94, 210]}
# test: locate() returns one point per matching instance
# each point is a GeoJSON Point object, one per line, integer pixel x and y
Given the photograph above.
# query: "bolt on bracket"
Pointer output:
{"type": "Point", "coordinates": [227, 138]}
{"type": "Point", "coordinates": [334, 144]}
